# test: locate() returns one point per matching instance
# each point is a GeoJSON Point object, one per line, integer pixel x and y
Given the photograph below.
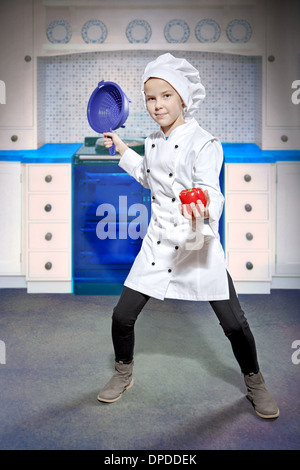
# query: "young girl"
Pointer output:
{"type": "Point", "coordinates": [181, 255]}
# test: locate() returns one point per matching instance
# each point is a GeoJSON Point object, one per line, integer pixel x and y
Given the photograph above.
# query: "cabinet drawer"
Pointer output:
{"type": "Point", "coordinates": [49, 207]}
{"type": "Point", "coordinates": [248, 266]}
{"type": "Point", "coordinates": [49, 178]}
{"type": "Point", "coordinates": [49, 265]}
{"type": "Point", "coordinates": [247, 236]}
{"type": "Point", "coordinates": [48, 236]}
{"type": "Point", "coordinates": [247, 177]}
{"type": "Point", "coordinates": [241, 206]}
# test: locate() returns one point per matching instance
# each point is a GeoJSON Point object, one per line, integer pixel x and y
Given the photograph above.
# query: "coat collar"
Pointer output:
{"type": "Point", "coordinates": [189, 126]}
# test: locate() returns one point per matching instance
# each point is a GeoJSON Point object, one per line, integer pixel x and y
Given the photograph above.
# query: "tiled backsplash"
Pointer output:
{"type": "Point", "coordinates": [231, 110]}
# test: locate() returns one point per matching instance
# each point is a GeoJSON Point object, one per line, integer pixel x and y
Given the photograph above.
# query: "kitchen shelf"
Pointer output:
{"type": "Point", "coordinates": [225, 47]}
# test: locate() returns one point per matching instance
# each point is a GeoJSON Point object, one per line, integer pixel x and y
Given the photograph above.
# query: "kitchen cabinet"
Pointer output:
{"type": "Point", "coordinates": [248, 225]}
{"type": "Point", "coordinates": [48, 223]}
{"type": "Point", "coordinates": [287, 254]}
{"type": "Point", "coordinates": [261, 223]}
{"type": "Point", "coordinates": [10, 220]}
{"type": "Point", "coordinates": [17, 119]}
{"type": "Point", "coordinates": [79, 26]}
{"type": "Point", "coordinates": [281, 74]}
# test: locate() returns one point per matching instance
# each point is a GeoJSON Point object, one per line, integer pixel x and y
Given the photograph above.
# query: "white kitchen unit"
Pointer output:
{"type": "Point", "coordinates": [48, 227]}
{"type": "Point", "coordinates": [281, 77]}
{"type": "Point", "coordinates": [17, 100]}
{"type": "Point", "coordinates": [248, 226]}
{"type": "Point", "coordinates": [11, 224]}
{"type": "Point", "coordinates": [233, 26]}
{"type": "Point", "coordinates": [287, 248]}
{"type": "Point", "coordinates": [42, 28]}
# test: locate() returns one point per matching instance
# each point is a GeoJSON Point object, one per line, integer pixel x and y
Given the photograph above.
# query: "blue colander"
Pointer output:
{"type": "Point", "coordinates": [108, 109]}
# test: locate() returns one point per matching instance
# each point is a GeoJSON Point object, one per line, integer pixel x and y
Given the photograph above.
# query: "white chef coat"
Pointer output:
{"type": "Point", "coordinates": [178, 260]}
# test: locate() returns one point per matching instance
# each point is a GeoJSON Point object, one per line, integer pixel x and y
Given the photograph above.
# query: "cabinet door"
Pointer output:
{"type": "Point", "coordinates": [283, 69]}
{"type": "Point", "coordinates": [10, 218]}
{"type": "Point", "coordinates": [101, 255]}
{"type": "Point", "coordinates": [16, 72]}
{"type": "Point", "coordinates": [282, 73]}
{"type": "Point", "coordinates": [288, 220]}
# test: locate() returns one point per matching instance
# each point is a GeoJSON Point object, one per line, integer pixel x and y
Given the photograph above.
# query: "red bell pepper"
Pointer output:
{"type": "Point", "coordinates": [192, 195]}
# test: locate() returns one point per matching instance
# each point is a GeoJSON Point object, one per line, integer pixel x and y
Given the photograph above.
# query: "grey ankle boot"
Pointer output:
{"type": "Point", "coordinates": [263, 403]}
{"type": "Point", "coordinates": [120, 381]}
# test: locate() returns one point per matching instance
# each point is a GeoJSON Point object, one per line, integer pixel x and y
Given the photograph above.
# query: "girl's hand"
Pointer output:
{"type": "Point", "coordinates": [112, 138]}
{"type": "Point", "coordinates": [198, 210]}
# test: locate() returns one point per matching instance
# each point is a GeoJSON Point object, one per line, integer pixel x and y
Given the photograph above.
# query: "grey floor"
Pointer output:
{"type": "Point", "coordinates": [188, 392]}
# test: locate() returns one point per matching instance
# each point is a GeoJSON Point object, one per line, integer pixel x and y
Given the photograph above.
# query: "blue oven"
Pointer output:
{"type": "Point", "coordinates": [111, 212]}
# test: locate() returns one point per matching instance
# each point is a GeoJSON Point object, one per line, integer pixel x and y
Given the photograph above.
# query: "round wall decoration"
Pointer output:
{"type": "Point", "coordinates": [59, 32]}
{"type": "Point", "coordinates": [94, 31]}
{"type": "Point", "coordinates": [207, 30]}
{"type": "Point", "coordinates": [177, 31]}
{"type": "Point", "coordinates": [138, 31]}
{"type": "Point", "coordinates": [239, 31]}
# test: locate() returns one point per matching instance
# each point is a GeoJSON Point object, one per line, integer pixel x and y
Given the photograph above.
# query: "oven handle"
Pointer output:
{"type": "Point", "coordinates": [101, 157]}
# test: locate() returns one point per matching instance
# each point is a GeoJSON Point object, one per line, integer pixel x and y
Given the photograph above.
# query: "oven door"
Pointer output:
{"type": "Point", "coordinates": [106, 238]}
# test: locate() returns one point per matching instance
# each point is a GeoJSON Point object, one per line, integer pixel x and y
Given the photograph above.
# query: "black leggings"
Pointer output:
{"type": "Point", "coordinates": [229, 312]}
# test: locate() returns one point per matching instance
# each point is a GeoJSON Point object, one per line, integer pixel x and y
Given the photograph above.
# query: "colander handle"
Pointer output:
{"type": "Point", "coordinates": [112, 150]}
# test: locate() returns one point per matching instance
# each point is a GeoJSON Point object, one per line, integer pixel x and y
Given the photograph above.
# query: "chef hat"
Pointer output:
{"type": "Point", "coordinates": [183, 77]}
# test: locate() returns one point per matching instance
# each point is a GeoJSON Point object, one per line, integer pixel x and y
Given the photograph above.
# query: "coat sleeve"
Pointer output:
{"type": "Point", "coordinates": [134, 165]}
{"type": "Point", "coordinates": [207, 170]}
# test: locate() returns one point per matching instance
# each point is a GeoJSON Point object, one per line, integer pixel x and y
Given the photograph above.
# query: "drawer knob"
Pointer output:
{"type": "Point", "coordinates": [48, 178]}
{"type": "Point", "coordinates": [48, 266]}
{"type": "Point", "coordinates": [249, 265]}
{"type": "Point", "coordinates": [248, 207]}
{"type": "Point", "coordinates": [48, 207]}
{"type": "Point", "coordinates": [247, 178]}
{"type": "Point", "coordinates": [249, 236]}
{"type": "Point", "coordinates": [48, 236]}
